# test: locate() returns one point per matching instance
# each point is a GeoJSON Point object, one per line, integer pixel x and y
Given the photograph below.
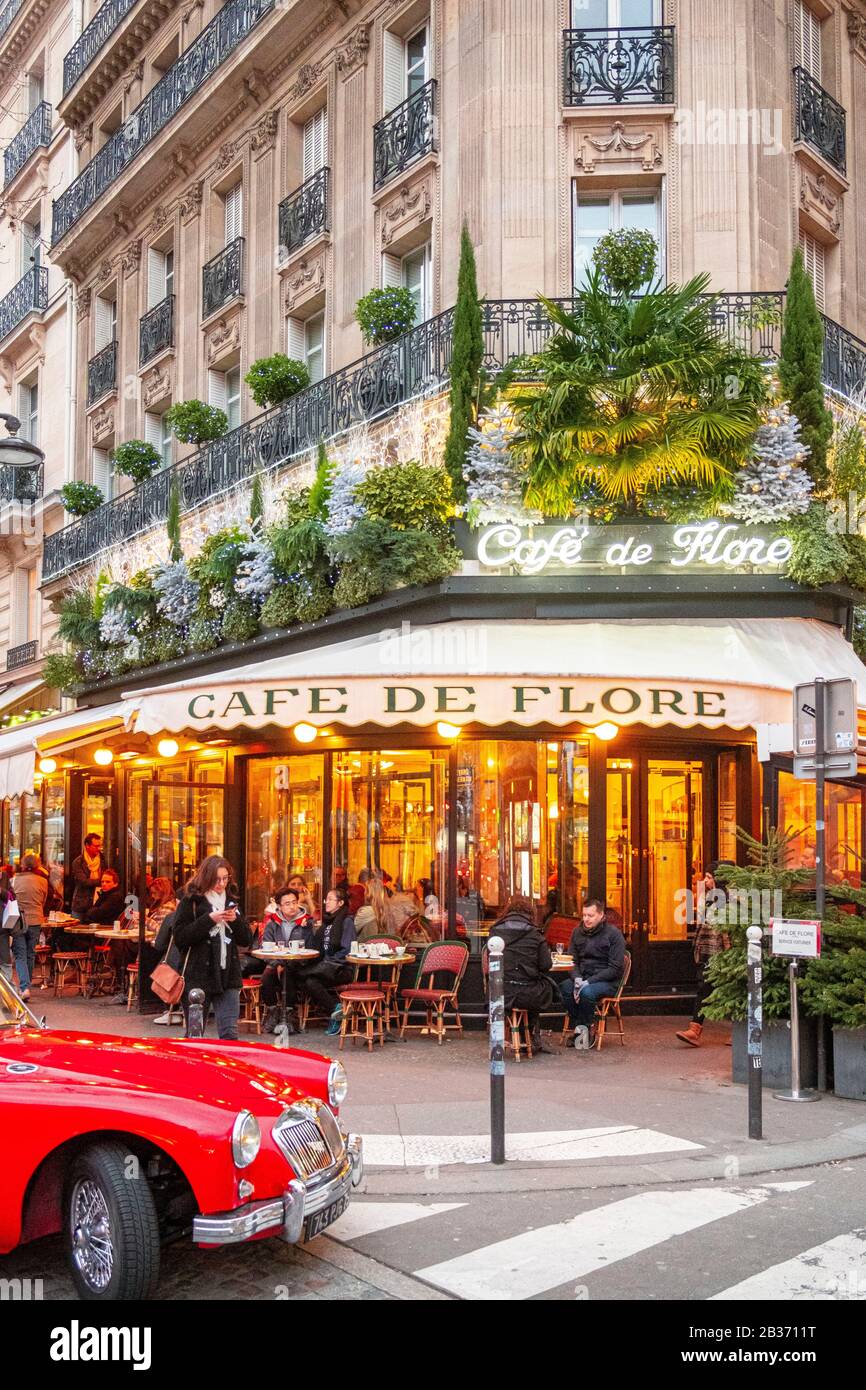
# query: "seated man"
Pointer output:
{"type": "Point", "coordinates": [109, 903]}
{"type": "Point", "coordinates": [598, 949]}
{"type": "Point", "coordinates": [290, 922]}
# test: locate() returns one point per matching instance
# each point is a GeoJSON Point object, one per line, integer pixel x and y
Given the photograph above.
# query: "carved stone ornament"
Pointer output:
{"type": "Point", "coordinates": [226, 154]}
{"type": "Point", "coordinates": [306, 80]}
{"type": "Point", "coordinates": [132, 75]}
{"type": "Point", "coordinates": [103, 273]}
{"type": "Point", "coordinates": [409, 209]}
{"type": "Point", "coordinates": [190, 203]}
{"type": "Point", "coordinates": [818, 198]}
{"type": "Point", "coordinates": [265, 134]}
{"type": "Point", "coordinates": [81, 136]}
{"type": "Point", "coordinates": [304, 281]}
{"type": "Point", "coordinates": [131, 258]}
{"type": "Point", "coordinates": [156, 386]}
{"type": "Point", "coordinates": [158, 221]}
{"type": "Point", "coordinates": [102, 423]}
{"type": "Point", "coordinates": [182, 160]}
{"type": "Point", "coordinates": [83, 303]}
{"type": "Point", "coordinates": [257, 86]}
{"type": "Point", "coordinates": [191, 9]}
{"type": "Point", "coordinates": [857, 34]}
{"type": "Point", "coordinates": [619, 145]}
{"type": "Point", "coordinates": [223, 338]}
{"type": "Point", "coordinates": [352, 53]}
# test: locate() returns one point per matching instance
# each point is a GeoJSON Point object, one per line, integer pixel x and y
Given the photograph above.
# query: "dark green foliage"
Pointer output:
{"type": "Point", "coordinates": [467, 354]}
{"type": "Point", "coordinates": [257, 506]}
{"type": "Point", "coordinates": [275, 379]}
{"type": "Point", "coordinates": [280, 608]}
{"type": "Point", "coordinates": [136, 459]}
{"type": "Point", "coordinates": [627, 259]}
{"type": "Point", "coordinates": [800, 368]}
{"type": "Point", "coordinates": [358, 584]}
{"type": "Point", "coordinates": [408, 496]}
{"type": "Point", "coordinates": [314, 600]}
{"type": "Point", "coordinates": [835, 985]}
{"type": "Point", "coordinates": [240, 621]}
{"type": "Point", "coordinates": [219, 557]}
{"type": "Point", "coordinates": [859, 635]}
{"type": "Point", "coordinates": [317, 500]}
{"type": "Point", "coordinates": [194, 422]}
{"type": "Point", "coordinates": [172, 524]}
{"type": "Point", "coordinates": [388, 557]}
{"type": "Point", "coordinates": [78, 623]}
{"type": "Point", "coordinates": [384, 315]}
{"type": "Point", "coordinates": [819, 556]}
{"type": "Point", "coordinates": [204, 634]}
{"type": "Point", "coordinates": [60, 671]}
{"type": "Point", "coordinates": [81, 498]}
{"type": "Point", "coordinates": [118, 662]}
{"type": "Point", "coordinates": [847, 459]}
{"type": "Point", "coordinates": [166, 643]}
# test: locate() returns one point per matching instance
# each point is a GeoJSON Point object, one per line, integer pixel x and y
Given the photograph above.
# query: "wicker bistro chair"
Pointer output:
{"type": "Point", "coordinates": [445, 958]}
{"type": "Point", "coordinates": [603, 1007]}
{"type": "Point", "coordinates": [380, 982]}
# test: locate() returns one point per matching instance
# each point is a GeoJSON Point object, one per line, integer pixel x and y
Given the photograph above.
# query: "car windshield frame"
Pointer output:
{"type": "Point", "coordinates": [14, 1013]}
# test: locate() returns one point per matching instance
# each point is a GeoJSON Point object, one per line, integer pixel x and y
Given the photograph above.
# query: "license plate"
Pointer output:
{"type": "Point", "coordinates": [315, 1224]}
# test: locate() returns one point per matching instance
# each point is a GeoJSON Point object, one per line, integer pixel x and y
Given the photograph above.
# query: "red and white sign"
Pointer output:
{"type": "Point", "coordinates": [795, 938]}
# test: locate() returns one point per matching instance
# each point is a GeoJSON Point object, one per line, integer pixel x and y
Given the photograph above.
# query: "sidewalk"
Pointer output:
{"type": "Point", "coordinates": [653, 1111]}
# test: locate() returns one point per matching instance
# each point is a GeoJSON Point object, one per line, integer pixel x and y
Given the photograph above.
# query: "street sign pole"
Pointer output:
{"type": "Point", "coordinates": [495, 950]}
{"type": "Point", "coordinates": [754, 1033]}
{"type": "Point", "coordinates": [795, 1093]}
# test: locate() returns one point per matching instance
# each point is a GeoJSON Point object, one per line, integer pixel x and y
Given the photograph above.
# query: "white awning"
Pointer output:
{"type": "Point", "coordinates": [11, 694]}
{"type": "Point", "coordinates": [723, 672]}
{"type": "Point", "coordinates": [20, 746]}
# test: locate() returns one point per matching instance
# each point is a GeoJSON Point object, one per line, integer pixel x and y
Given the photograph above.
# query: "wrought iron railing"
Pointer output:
{"type": "Point", "coordinates": [92, 39]}
{"type": "Point", "coordinates": [609, 67]}
{"type": "Point", "coordinates": [819, 120]}
{"type": "Point", "coordinates": [8, 13]}
{"type": "Point", "coordinates": [35, 131]}
{"type": "Point", "coordinates": [31, 293]}
{"type": "Point", "coordinates": [380, 382]}
{"type": "Point", "coordinates": [20, 482]}
{"type": "Point", "coordinates": [304, 213]}
{"type": "Point", "coordinates": [405, 134]}
{"type": "Point", "coordinates": [222, 279]}
{"type": "Point", "coordinates": [22, 655]}
{"type": "Point", "coordinates": [214, 45]}
{"type": "Point", "coordinates": [156, 330]}
{"type": "Point", "coordinates": [102, 373]}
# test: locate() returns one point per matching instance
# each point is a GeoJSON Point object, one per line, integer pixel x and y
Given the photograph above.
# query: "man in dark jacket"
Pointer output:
{"type": "Point", "coordinates": [598, 949]}
{"type": "Point", "coordinates": [334, 941]}
{"type": "Point", "coordinates": [525, 963]}
{"type": "Point", "coordinates": [290, 923]}
{"type": "Point", "coordinates": [86, 873]}
{"type": "Point", "coordinates": [109, 903]}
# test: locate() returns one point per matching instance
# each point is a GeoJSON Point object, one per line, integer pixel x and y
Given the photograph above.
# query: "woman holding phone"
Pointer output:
{"type": "Point", "coordinates": [208, 929]}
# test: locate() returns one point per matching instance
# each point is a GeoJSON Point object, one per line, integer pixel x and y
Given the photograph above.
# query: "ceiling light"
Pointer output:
{"type": "Point", "coordinates": [446, 730]}
{"type": "Point", "coordinates": [103, 757]}
{"type": "Point", "coordinates": [47, 765]}
{"type": "Point", "coordinates": [305, 733]}
{"type": "Point", "coordinates": [167, 747]}
{"type": "Point", "coordinates": [606, 730]}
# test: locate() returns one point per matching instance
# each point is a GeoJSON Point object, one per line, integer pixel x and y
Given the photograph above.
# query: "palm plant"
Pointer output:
{"type": "Point", "coordinates": [634, 394]}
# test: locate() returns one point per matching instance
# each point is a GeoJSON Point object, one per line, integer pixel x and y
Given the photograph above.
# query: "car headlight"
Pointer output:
{"type": "Point", "coordinates": [246, 1139]}
{"type": "Point", "coordinates": [338, 1083]}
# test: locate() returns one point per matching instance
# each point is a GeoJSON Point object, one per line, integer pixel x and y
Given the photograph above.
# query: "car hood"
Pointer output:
{"type": "Point", "coordinates": [151, 1066]}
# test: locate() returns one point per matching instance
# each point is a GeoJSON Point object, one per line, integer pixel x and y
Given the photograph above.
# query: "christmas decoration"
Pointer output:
{"type": "Point", "coordinates": [344, 508]}
{"type": "Point", "coordinates": [178, 592]}
{"type": "Point", "coordinates": [116, 626]}
{"type": "Point", "coordinates": [254, 577]}
{"type": "Point", "coordinates": [494, 489]}
{"type": "Point", "coordinates": [772, 486]}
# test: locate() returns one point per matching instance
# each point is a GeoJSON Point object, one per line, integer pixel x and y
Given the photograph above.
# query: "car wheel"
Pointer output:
{"type": "Point", "coordinates": [110, 1225]}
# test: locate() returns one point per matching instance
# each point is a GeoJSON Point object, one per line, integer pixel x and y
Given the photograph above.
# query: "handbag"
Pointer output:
{"type": "Point", "coordinates": [167, 983]}
{"type": "Point", "coordinates": [10, 913]}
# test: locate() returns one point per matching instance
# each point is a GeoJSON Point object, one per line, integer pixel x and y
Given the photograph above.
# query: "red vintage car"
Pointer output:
{"type": "Point", "coordinates": [123, 1143]}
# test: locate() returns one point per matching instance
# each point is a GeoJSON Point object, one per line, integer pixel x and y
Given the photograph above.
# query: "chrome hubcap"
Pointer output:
{"type": "Point", "coordinates": [92, 1250]}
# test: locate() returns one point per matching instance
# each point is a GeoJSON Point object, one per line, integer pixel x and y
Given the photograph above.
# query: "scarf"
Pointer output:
{"type": "Point", "coordinates": [92, 862]}
{"type": "Point", "coordinates": [218, 902]}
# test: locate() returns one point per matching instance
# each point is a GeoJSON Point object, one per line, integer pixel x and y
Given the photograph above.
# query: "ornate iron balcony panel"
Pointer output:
{"type": "Point", "coordinates": [156, 330]}
{"type": "Point", "coordinates": [31, 293]}
{"type": "Point", "coordinates": [8, 14]}
{"type": "Point", "coordinates": [214, 45]}
{"type": "Point", "coordinates": [404, 135]}
{"type": "Point", "coordinates": [612, 67]}
{"type": "Point", "coordinates": [20, 482]}
{"type": "Point", "coordinates": [102, 373]}
{"type": "Point", "coordinates": [844, 361]}
{"type": "Point", "coordinates": [222, 279]}
{"type": "Point", "coordinates": [305, 213]}
{"type": "Point", "coordinates": [93, 38]}
{"type": "Point", "coordinates": [21, 655]}
{"type": "Point", "coordinates": [35, 131]}
{"type": "Point", "coordinates": [819, 120]}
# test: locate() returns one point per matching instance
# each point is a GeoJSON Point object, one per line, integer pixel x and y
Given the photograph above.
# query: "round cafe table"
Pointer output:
{"type": "Point", "coordinates": [391, 962]}
{"type": "Point", "coordinates": [285, 958]}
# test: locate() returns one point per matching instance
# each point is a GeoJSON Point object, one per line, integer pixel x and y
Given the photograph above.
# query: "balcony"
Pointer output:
{"type": "Point", "coordinates": [156, 330]}
{"type": "Point", "coordinates": [28, 296]}
{"type": "Point", "coordinates": [8, 13]}
{"type": "Point", "coordinates": [102, 374]}
{"type": "Point", "coordinates": [404, 135]}
{"type": "Point", "coordinates": [305, 213]}
{"type": "Point", "coordinates": [819, 120]}
{"type": "Point", "coordinates": [214, 45]}
{"type": "Point", "coordinates": [35, 131]}
{"type": "Point", "coordinates": [20, 482]}
{"type": "Point", "coordinates": [616, 67]}
{"type": "Point", "coordinates": [92, 39]}
{"type": "Point", "coordinates": [222, 278]}
{"type": "Point", "coordinates": [22, 655]}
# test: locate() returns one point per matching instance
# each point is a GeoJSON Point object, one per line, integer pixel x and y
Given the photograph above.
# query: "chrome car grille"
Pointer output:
{"type": "Point", "coordinates": [309, 1138]}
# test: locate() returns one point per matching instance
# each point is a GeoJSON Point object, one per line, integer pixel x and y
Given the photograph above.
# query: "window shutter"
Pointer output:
{"type": "Point", "coordinates": [807, 40]}
{"type": "Point", "coordinates": [35, 92]}
{"type": "Point", "coordinates": [814, 260]}
{"type": "Point", "coordinates": [155, 277]}
{"type": "Point", "coordinates": [21, 607]}
{"type": "Point", "coordinates": [392, 272]}
{"type": "Point", "coordinates": [234, 213]}
{"type": "Point", "coordinates": [393, 70]}
{"type": "Point", "coordinates": [102, 471]}
{"type": "Point", "coordinates": [315, 143]}
{"type": "Point", "coordinates": [296, 340]}
{"type": "Point", "coordinates": [153, 429]}
{"type": "Point", "coordinates": [104, 322]}
{"type": "Point", "coordinates": [216, 389]}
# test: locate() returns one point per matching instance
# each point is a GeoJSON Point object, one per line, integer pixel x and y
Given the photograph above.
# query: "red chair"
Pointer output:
{"type": "Point", "coordinates": [442, 958]}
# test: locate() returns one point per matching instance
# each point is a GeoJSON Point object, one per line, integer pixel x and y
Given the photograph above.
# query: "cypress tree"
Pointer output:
{"type": "Point", "coordinates": [257, 506]}
{"type": "Point", "coordinates": [172, 524]}
{"type": "Point", "coordinates": [466, 356]}
{"type": "Point", "coordinates": [800, 368]}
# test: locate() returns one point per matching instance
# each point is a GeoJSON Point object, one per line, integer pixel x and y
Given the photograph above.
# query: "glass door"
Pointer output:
{"type": "Point", "coordinates": [183, 824]}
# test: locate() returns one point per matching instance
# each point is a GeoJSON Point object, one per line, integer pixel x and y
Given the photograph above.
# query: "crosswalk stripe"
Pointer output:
{"type": "Point", "coordinates": [540, 1146]}
{"type": "Point", "coordinates": [834, 1270]}
{"type": "Point", "coordinates": [535, 1261]}
{"type": "Point", "coordinates": [366, 1218]}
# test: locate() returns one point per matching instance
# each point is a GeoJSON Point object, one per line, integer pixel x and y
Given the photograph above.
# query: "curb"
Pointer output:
{"type": "Point", "coordinates": [756, 1156]}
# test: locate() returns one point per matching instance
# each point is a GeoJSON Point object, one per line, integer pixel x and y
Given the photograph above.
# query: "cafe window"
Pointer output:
{"type": "Point", "coordinates": [54, 823]}
{"type": "Point", "coordinates": [728, 807]}
{"type": "Point", "coordinates": [185, 818]}
{"type": "Point", "coordinates": [31, 824]}
{"type": "Point", "coordinates": [844, 827]}
{"type": "Point", "coordinates": [284, 827]}
{"type": "Point", "coordinates": [13, 832]}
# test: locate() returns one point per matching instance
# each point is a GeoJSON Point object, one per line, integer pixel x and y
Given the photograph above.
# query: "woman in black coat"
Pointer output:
{"type": "Point", "coordinates": [525, 964]}
{"type": "Point", "coordinates": [208, 928]}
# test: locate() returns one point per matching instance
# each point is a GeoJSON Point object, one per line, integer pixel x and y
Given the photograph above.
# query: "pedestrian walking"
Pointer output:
{"type": "Point", "coordinates": [208, 929]}
{"type": "Point", "coordinates": [8, 913]}
{"type": "Point", "coordinates": [30, 886]}
{"type": "Point", "coordinates": [710, 939]}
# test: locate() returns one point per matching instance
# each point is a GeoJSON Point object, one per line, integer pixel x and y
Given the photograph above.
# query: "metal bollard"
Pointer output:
{"type": "Point", "coordinates": [754, 1033]}
{"type": "Point", "coordinates": [195, 1014]}
{"type": "Point", "coordinates": [495, 948]}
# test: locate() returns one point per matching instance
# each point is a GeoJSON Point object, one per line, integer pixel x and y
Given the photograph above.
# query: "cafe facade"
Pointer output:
{"type": "Point", "coordinates": [579, 712]}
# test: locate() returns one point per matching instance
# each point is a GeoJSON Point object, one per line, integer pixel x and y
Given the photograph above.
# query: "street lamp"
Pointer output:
{"type": "Point", "coordinates": [14, 450]}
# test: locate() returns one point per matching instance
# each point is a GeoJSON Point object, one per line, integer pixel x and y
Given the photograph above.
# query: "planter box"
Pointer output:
{"type": "Point", "coordinates": [849, 1063]}
{"type": "Point", "coordinates": [777, 1054]}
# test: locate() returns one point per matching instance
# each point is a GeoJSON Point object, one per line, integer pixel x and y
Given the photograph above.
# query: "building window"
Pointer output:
{"type": "Point", "coordinates": [106, 321]}
{"type": "Point", "coordinates": [35, 91]}
{"type": "Point", "coordinates": [158, 433]}
{"type": "Point", "coordinates": [807, 40]}
{"type": "Point", "coordinates": [315, 144]}
{"type": "Point", "coordinates": [224, 392]}
{"type": "Point", "coordinates": [305, 342]}
{"type": "Point", "coordinates": [814, 261]}
{"type": "Point", "coordinates": [31, 246]}
{"type": "Point", "coordinates": [160, 276]}
{"type": "Point", "coordinates": [233, 205]}
{"type": "Point", "coordinates": [28, 410]}
{"type": "Point", "coordinates": [596, 215]}
{"type": "Point", "coordinates": [615, 14]}
{"type": "Point", "coordinates": [25, 623]}
{"type": "Point", "coordinates": [406, 65]}
{"type": "Point", "coordinates": [412, 272]}
{"type": "Point", "coordinates": [103, 473]}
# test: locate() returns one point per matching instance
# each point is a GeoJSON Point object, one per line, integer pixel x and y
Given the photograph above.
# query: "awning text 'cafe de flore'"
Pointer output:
{"type": "Point", "coordinates": [578, 712]}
